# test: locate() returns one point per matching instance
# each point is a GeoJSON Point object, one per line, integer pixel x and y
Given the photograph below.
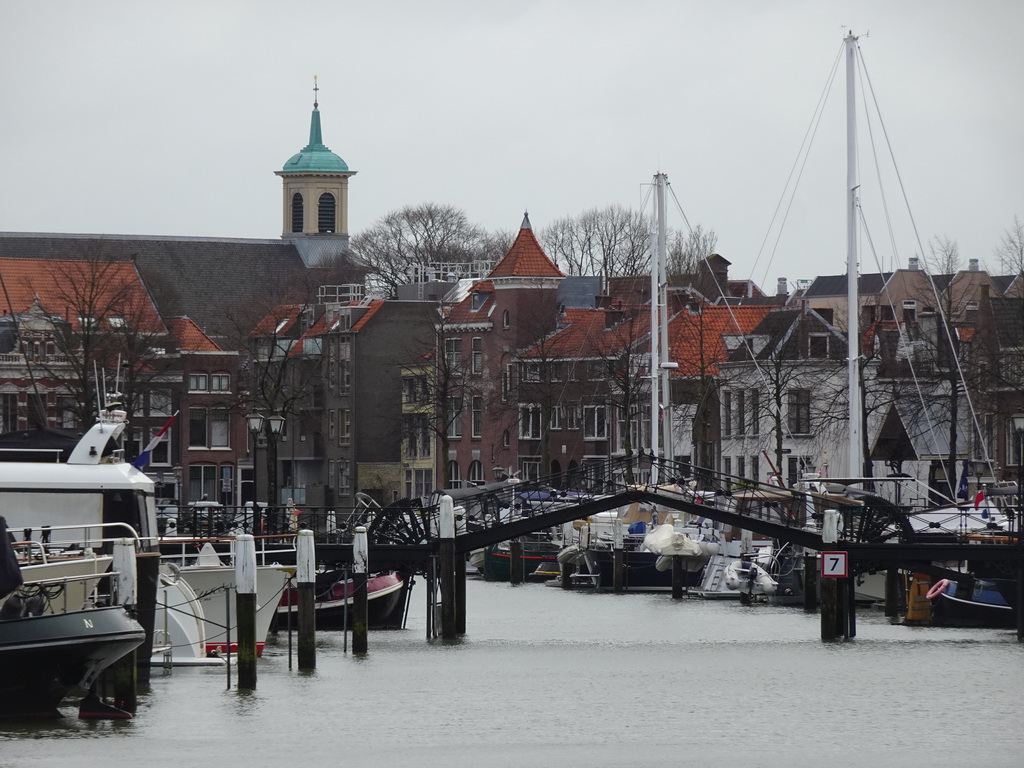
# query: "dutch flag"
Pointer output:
{"type": "Point", "coordinates": [143, 458]}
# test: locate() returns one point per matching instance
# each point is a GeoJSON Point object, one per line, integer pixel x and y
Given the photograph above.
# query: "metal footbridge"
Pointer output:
{"type": "Point", "coordinates": [876, 532]}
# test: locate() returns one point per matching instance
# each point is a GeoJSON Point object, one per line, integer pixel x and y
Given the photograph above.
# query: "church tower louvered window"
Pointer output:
{"type": "Point", "coordinates": [327, 217]}
{"type": "Point", "coordinates": [297, 212]}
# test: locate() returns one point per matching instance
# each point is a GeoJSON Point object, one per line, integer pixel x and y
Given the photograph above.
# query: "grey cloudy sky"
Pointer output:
{"type": "Point", "coordinates": [169, 118]}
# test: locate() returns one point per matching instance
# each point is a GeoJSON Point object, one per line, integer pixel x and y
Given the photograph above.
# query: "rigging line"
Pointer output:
{"type": "Point", "coordinates": [803, 152]}
{"type": "Point", "coordinates": [878, 170]}
{"type": "Point", "coordinates": [917, 236]}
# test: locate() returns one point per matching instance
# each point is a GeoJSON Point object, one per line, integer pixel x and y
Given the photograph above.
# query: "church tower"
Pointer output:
{"type": "Point", "coordinates": [315, 199]}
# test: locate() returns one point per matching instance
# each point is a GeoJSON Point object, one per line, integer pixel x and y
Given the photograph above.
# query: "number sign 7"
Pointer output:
{"type": "Point", "coordinates": [834, 564]}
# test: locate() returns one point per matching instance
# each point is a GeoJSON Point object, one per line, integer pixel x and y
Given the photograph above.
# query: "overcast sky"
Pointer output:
{"type": "Point", "coordinates": [169, 118]}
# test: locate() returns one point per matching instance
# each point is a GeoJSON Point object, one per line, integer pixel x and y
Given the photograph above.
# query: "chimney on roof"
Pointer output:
{"type": "Point", "coordinates": [972, 265]}
{"type": "Point", "coordinates": [783, 289]}
{"type": "Point", "coordinates": [913, 263]}
{"type": "Point", "coordinates": [613, 317]}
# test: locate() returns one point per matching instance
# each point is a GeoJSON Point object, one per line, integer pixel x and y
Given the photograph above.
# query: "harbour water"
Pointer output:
{"type": "Point", "coordinates": [551, 678]}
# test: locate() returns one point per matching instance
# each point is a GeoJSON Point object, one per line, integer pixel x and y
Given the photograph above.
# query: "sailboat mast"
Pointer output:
{"type": "Point", "coordinates": [856, 459]}
{"type": "Point", "coordinates": [659, 326]}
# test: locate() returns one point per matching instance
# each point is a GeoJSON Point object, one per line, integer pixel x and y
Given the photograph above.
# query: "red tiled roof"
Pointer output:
{"type": "Point", "coordinates": [375, 306]}
{"type": "Point", "coordinates": [526, 259]}
{"type": "Point", "coordinates": [463, 312]}
{"type": "Point", "coordinates": [73, 287]}
{"type": "Point", "coordinates": [279, 321]}
{"type": "Point", "coordinates": [189, 337]}
{"type": "Point", "coordinates": [697, 339]}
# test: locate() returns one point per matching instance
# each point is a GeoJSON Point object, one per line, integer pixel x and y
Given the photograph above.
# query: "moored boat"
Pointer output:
{"type": "Point", "coordinates": [386, 596]}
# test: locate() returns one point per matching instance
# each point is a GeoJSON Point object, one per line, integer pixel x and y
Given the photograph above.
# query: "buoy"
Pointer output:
{"type": "Point", "coordinates": [937, 589]}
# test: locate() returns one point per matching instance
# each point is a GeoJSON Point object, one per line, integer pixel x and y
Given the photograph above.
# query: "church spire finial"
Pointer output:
{"type": "Point", "coordinates": [316, 88]}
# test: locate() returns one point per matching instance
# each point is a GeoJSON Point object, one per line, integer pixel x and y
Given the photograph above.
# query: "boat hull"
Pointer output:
{"type": "Point", "coordinates": [44, 658]}
{"type": "Point", "coordinates": [497, 562]}
{"type": "Point", "coordinates": [385, 602]}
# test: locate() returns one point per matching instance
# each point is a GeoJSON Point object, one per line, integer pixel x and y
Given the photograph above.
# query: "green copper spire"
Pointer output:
{"type": "Point", "coordinates": [315, 157]}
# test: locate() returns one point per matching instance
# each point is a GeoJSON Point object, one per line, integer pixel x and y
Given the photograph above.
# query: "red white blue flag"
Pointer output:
{"type": "Point", "coordinates": [143, 458]}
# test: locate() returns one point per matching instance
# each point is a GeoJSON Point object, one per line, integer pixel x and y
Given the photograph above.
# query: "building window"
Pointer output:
{"type": "Point", "coordinates": [453, 355]}
{"type": "Point", "coordinates": [160, 403]}
{"type": "Point", "coordinates": [297, 214]}
{"type": "Point", "coordinates": [741, 414]}
{"type": "Point", "coordinates": [727, 413]}
{"type": "Point", "coordinates": [198, 382]}
{"type": "Point", "coordinates": [477, 358]}
{"type": "Point", "coordinates": [454, 476]}
{"type": "Point", "coordinates": [202, 482]}
{"type": "Point", "coordinates": [529, 469]}
{"type": "Point", "coordinates": [479, 299]}
{"type": "Point", "coordinates": [331, 424]}
{"type": "Point", "coordinates": [219, 428]}
{"type": "Point", "coordinates": [572, 415]}
{"type": "Point", "coordinates": [754, 400]}
{"type": "Point", "coordinates": [531, 372]}
{"type": "Point", "coordinates": [506, 319]}
{"type": "Point", "coordinates": [556, 417]}
{"type": "Point", "coordinates": [454, 417]}
{"type": "Point", "coordinates": [344, 478]}
{"type": "Point", "coordinates": [476, 473]}
{"type": "Point", "coordinates": [506, 438]}
{"type": "Point", "coordinates": [741, 466]}
{"type": "Point", "coordinates": [198, 428]}
{"type": "Point", "coordinates": [529, 421]}
{"type": "Point", "coordinates": [595, 422]}
{"type": "Point", "coordinates": [799, 421]}
{"type": "Point", "coordinates": [344, 427]}
{"type": "Point", "coordinates": [9, 413]}
{"type": "Point", "coordinates": [817, 346]}
{"type": "Point", "coordinates": [418, 483]}
{"type": "Point", "coordinates": [507, 381]}
{"type": "Point", "coordinates": [478, 416]}
{"type": "Point", "coordinates": [327, 221]}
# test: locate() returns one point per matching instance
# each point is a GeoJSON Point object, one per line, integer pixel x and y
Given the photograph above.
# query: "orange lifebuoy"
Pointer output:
{"type": "Point", "coordinates": [937, 589]}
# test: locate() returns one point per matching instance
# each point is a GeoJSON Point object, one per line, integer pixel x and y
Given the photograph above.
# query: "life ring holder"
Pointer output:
{"type": "Point", "coordinates": [937, 589]}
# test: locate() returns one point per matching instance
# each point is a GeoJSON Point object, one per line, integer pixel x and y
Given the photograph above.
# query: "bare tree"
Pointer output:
{"type": "Point", "coordinates": [102, 322]}
{"type": "Point", "coordinates": [423, 236]}
{"type": "Point", "coordinates": [1010, 250]}
{"type": "Point", "coordinates": [686, 252]}
{"type": "Point", "coordinates": [601, 241]}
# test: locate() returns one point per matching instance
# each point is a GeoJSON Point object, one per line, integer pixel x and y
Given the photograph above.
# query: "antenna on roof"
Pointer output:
{"type": "Point", "coordinates": [316, 88]}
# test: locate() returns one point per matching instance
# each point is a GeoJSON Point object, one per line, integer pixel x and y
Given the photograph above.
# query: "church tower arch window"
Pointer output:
{"type": "Point", "coordinates": [326, 214]}
{"type": "Point", "coordinates": [297, 212]}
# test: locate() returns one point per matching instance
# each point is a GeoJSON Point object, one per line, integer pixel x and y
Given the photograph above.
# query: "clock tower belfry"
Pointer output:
{"type": "Point", "coordinates": [315, 194]}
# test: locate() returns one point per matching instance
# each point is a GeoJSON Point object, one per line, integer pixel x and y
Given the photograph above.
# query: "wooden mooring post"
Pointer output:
{"type": "Point", "coordinates": [123, 672]}
{"type": "Point", "coordinates": [305, 577]}
{"type": "Point", "coordinates": [893, 578]}
{"type": "Point", "coordinates": [515, 561]}
{"type": "Point", "coordinates": [618, 560]}
{"type": "Point", "coordinates": [678, 577]}
{"type": "Point", "coordinates": [245, 607]}
{"type": "Point", "coordinates": [810, 582]}
{"type": "Point", "coordinates": [460, 594]}
{"type": "Point", "coordinates": [360, 568]}
{"type": "Point", "coordinates": [832, 598]}
{"type": "Point", "coordinates": [446, 557]}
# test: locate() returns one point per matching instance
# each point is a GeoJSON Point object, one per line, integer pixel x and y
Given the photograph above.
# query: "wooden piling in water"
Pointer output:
{"type": "Point", "coordinates": [618, 560]}
{"type": "Point", "coordinates": [565, 573]}
{"type": "Point", "coordinates": [122, 673]}
{"type": "Point", "coordinates": [446, 558]}
{"type": "Point", "coordinates": [245, 608]}
{"type": "Point", "coordinates": [305, 573]}
{"type": "Point", "coordinates": [460, 594]}
{"type": "Point", "coordinates": [515, 561]}
{"type": "Point", "coordinates": [810, 582]}
{"type": "Point", "coordinates": [678, 573]}
{"type": "Point", "coordinates": [892, 592]}
{"type": "Point", "coordinates": [147, 576]}
{"type": "Point", "coordinates": [830, 592]}
{"type": "Point", "coordinates": [360, 567]}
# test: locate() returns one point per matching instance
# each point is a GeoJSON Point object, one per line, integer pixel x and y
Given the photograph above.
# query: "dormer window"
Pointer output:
{"type": "Point", "coordinates": [479, 299]}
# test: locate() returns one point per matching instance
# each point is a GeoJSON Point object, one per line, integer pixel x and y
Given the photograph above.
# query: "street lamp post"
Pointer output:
{"type": "Point", "coordinates": [1018, 428]}
{"type": "Point", "coordinates": [254, 421]}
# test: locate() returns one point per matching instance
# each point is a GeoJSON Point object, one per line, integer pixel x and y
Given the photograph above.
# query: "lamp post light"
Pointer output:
{"type": "Point", "coordinates": [276, 421]}
{"type": "Point", "coordinates": [1018, 428]}
{"type": "Point", "coordinates": [254, 421]}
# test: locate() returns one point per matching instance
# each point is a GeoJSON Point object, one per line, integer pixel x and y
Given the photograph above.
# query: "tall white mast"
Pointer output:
{"type": "Point", "coordinates": [659, 327]}
{"type": "Point", "coordinates": [856, 460]}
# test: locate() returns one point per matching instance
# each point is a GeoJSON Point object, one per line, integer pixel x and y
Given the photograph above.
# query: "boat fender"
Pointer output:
{"type": "Point", "coordinates": [937, 589]}
{"type": "Point", "coordinates": [569, 554]}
